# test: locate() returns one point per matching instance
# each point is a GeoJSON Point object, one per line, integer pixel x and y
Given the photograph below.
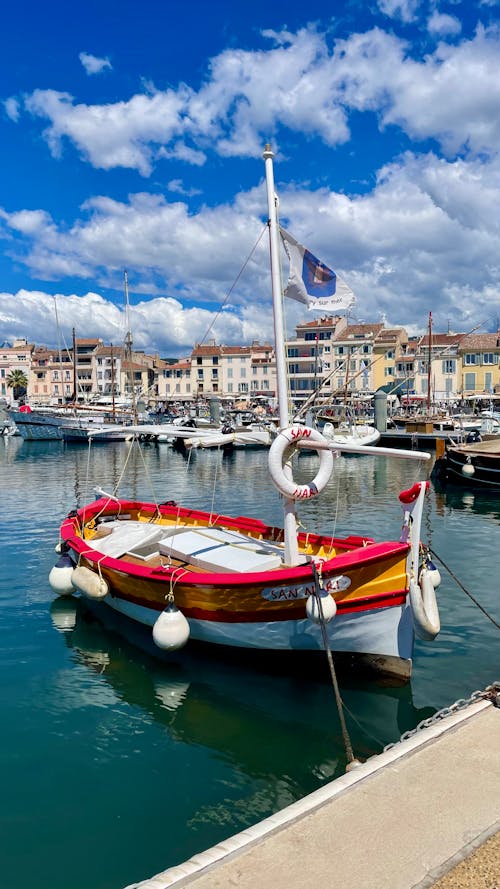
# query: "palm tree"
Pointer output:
{"type": "Point", "coordinates": [18, 382]}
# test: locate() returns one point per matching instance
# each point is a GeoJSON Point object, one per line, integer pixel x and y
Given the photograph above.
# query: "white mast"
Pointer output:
{"type": "Point", "coordinates": [290, 522]}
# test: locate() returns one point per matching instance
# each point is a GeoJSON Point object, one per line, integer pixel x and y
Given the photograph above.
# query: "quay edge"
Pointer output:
{"type": "Point", "coordinates": [401, 820]}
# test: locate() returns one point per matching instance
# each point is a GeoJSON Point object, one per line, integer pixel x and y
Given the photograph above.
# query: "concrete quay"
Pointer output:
{"type": "Point", "coordinates": [426, 812]}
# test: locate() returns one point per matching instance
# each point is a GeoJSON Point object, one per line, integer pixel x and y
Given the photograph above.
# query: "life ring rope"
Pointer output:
{"type": "Point", "coordinates": [280, 453]}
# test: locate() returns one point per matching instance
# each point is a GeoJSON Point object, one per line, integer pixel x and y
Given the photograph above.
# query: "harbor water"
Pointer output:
{"type": "Point", "coordinates": [114, 763]}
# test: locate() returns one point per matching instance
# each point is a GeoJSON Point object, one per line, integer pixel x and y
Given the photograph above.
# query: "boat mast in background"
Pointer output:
{"type": "Point", "coordinates": [429, 366]}
{"type": "Point", "coordinates": [75, 378]}
{"type": "Point", "coordinates": [128, 347]}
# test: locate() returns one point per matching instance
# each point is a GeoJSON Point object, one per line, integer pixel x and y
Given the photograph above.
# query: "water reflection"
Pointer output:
{"type": "Point", "coordinates": [460, 497]}
{"type": "Point", "coordinates": [211, 700]}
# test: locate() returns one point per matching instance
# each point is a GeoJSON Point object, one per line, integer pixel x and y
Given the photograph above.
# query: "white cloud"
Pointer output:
{"type": "Point", "coordinates": [405, 10]}
{"type": "Point", "coordinates": [177, 187]}
{"type": "Point", "coordinates": [121, 135]}
{"type": "Point", "coordinates": [160, 325]}
{"type": "Point", "coordinates": [299, 85]}
{"type": "Point", "coordinates": [93, 64]}
{"type": "Point", "coordinates": [12, 108]}
{"type": "Point", "coordinates": [425, 236]}
{"type": "Point", "coordinates": [441, 24]}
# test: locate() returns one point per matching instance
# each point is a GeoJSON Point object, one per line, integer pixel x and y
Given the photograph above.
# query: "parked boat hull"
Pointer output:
{"type": "Point", "coordinates": [264, 610]}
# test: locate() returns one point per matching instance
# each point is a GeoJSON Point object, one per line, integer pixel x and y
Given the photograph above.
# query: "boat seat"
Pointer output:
{"type": "Point", "coordinates": [214, 549]}
{"type": "Point", "coordinates": [126, 536]}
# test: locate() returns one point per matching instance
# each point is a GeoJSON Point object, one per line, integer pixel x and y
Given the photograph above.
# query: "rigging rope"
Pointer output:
{"type": "Point", "coordinates": [233, 285]}
{"type": "Point", "coordinates": [467, 593]}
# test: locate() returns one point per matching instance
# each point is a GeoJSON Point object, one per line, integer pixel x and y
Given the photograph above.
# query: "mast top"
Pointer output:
{"type": "Point", "coordinates": [268, 152]}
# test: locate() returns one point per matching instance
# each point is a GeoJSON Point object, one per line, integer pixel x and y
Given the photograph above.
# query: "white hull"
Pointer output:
{"type": "Point", "coordinates": [352, 435]}
{"type": "Point", "coordinates": [386, 632]}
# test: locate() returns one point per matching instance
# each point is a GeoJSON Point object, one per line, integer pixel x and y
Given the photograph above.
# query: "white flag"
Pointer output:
{"type": "Point", "coordinates": [313, 283]}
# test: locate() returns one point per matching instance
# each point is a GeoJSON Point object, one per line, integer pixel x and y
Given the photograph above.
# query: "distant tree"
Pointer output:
{"type": "Point", "coordinates": [18, 382]}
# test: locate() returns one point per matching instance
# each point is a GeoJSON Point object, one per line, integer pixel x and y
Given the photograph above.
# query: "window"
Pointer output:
{"type": "Point", "coordinates": [449, 366]}
{"type": "Point", "coordinates": [254, 371]}
{"type": "Point", "coordinates": [255, 385]}
{"type": "Point", "coordinates": [215, 359]}
{"type": "Point", "coordinates": [470, 358]}
{"type": "Point", "coordinates": [243, 373]}
{"type": "Point", "coordinates": [229, 387]}
{"type": "Point", "coordinates": [388, 371]}
{"type": "Point", "coordinates": [230, 373]}
{"type": "Point", "coordinates": [199, 360]}
{"type": "Point", "coordinates": [489, 358]}
{"type": "Point", "coordinates": [470, 382]}
{"type": "Point", "coordinates": [242, 387]}
{"type": "Point", "coordinates": [389, 354]}
{"type": "Point", "coordinates": [265, 369]}
{"type": "Point", "coordinates": [293, 353]}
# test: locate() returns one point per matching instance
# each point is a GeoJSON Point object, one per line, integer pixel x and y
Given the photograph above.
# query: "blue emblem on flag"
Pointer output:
{"type": "Point", "coordinates": [318, 279]}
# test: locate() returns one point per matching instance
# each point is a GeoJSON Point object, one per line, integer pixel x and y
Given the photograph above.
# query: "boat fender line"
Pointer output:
{"type": "Point", "coordinates": [171, 629]}
{"type": "Point", "coordinates": [90, 584]}
{"type": "Point", "coordinates": [280, 453]}
{"type": "Point", "coordinates": [424, 606]}
{"type": "Point", "coordinates": [61, 576]}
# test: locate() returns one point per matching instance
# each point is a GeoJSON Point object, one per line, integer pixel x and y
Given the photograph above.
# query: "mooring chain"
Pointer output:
{"type": "Point", "coordinates": [490, 693]}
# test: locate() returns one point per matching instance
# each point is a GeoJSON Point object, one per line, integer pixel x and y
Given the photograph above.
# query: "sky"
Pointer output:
{"type": "Point", "coordinates": [131, 138]}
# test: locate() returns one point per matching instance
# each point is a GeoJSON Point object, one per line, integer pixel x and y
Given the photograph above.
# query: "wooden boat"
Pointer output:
{"type": "Point", "coordinates": [238, 582]}
{"type": "Point", "coordinates": [476, 463]}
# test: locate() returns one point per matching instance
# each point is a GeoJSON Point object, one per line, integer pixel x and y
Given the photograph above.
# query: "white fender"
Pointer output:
{"type": "Point", "coordinates": [280, 452]}
{"type": "Point", "coordinates": [468, 470]}
{"type": "Point", "coordinates": [171, 629]}
{"type": "Point", "coordinates": [424, 606]}
{"type": "Point", "coordinates": [89, 583]}
{"type": "Point", "coordinates": [61, 576]}
{"type": "Point", "coordinates": [328, 607]}
{"type": "Point", "coordinates": [434, 573]}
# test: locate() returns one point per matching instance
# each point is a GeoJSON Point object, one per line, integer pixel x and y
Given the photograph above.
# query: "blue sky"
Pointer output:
{"type": "Point", "coordinates": [131, 137]}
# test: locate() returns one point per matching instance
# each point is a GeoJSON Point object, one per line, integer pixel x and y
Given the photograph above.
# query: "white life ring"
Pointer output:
{"type": "Point", "coordinates": [280, 452]}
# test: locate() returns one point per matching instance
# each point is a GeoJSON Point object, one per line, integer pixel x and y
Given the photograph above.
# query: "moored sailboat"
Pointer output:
{"type": "Point", "coordinates": [238, 582]}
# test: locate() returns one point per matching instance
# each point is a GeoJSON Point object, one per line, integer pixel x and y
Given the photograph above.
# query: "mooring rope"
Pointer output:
{"type": "Point", "coordinates": [466, 591]}
{"type": "Point", "coordinates": [352, 761]}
